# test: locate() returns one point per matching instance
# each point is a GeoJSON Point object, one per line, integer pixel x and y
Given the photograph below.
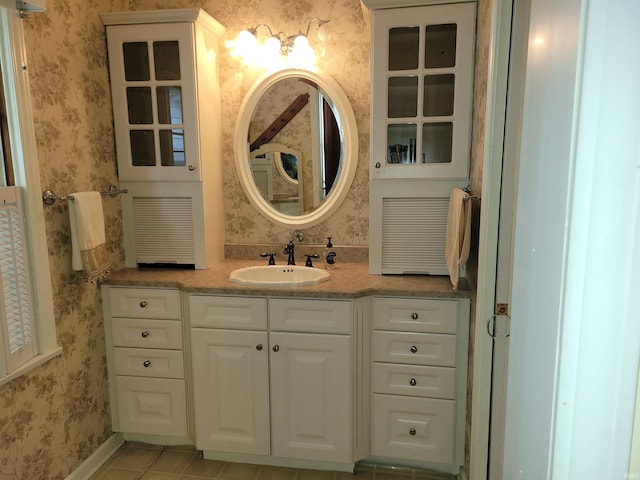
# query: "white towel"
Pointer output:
{"type": "Point", "coordinates": [458, 233]}
{"type": "Point", "coordinates": [88, 241]}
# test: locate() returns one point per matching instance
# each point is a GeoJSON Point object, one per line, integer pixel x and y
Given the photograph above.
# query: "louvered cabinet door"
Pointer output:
{"type": "Point", "coordinates": [407, 226]}
{"type": "Point", "coordinates": [168, 223]}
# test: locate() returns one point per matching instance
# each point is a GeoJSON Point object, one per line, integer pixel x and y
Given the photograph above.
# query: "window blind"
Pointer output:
{"type": "Point", "coordinates": [16, 307]}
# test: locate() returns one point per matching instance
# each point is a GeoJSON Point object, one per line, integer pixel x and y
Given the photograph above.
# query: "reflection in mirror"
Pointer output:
{"type": "Point", "coordinates": [296, 114]}
{"type": "Point", "coordinates": [275, 171]}
{"type": "Point", "coordinates": [296, 146]}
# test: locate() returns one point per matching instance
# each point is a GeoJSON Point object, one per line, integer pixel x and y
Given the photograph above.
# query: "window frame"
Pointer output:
{"type": "Point", "coordinates": [27, 179]}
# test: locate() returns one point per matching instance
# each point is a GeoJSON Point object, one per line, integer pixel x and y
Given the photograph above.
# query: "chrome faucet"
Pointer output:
{"type": "Point", "coordinates": [289, 249]}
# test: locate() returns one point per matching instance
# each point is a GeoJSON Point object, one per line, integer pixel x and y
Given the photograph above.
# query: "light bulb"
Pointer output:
{"type": "Point", "coordinates": [301, 42]}
{"type": "Point", "coordinates": [243, 46]}
{"type": "Point", "coordinates": [301, 52]}
{"type": "Point", "coordinates": [270, 50]}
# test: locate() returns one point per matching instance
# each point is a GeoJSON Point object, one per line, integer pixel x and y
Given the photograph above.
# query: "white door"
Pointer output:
{"type": "Point", "coordinates": [574, 350]}
{"type": "Point", "coordinates": [231, 390]}
{"type": "Point", "coordinates": [311, 396]}
{"type": "Point", "coordinates": [499, 326]}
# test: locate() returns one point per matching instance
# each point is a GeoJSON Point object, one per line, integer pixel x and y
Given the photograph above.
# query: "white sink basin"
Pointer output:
{"type": "Point", "coordinates": [279, 276]}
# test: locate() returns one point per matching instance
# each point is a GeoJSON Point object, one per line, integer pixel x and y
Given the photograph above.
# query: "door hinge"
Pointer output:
{"type": "Point", "coordinates": [502, 309]}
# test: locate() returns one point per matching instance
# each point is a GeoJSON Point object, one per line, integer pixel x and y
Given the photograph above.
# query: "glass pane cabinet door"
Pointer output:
{"type": "Point", "coordinates": [422, 91]}
{"type": "Point", "coordinates": [158, 103]}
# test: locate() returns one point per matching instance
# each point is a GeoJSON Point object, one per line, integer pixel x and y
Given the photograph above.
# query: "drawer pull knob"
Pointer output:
{"type": "Point", "coordinates": [414, 349]}
{"type": "Point", "coordinates": [276, 348]}
{"type": "Point", "coordinates": [145, 334]}
{"type": "Point", "coordinates": [412, 431]}
{"type": "Point", "coordinates": [414, 316]}
{"type": "Point", "coordinates": [143, 304]}
{"type": "Point", "coordinates": [146, 363]}
{"type": "Point", "coordinates": [413, 382]}
{"type": "Point", "coordinates": [259, 347]}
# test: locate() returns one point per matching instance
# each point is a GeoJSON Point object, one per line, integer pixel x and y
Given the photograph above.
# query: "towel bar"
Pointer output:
{"type": "Point", "coordinates": [49, 198]}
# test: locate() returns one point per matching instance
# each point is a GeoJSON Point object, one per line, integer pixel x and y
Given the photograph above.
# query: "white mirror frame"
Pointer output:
{"type": "Point", "coordinates": [348, 132]}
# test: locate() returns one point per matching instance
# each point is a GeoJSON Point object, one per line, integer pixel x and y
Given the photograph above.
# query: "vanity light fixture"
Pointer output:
{"type": "Point", "coordinates": [254, 48]}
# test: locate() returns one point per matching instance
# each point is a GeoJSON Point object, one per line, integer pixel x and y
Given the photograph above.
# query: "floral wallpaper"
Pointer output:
{"type": "Point", "coordinates": [56, 416]}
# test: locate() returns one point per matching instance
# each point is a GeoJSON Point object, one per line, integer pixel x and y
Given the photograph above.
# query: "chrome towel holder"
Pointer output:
{"type": "Point", "coordinates": [49, 198]}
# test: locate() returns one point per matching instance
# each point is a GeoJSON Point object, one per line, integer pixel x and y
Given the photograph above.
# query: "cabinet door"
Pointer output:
{"type": "Point", "coordinates": [231, 390]}
{"type": "Point", "coordinates": [154, 406]}
{"type": "Point", "coordinates": [153, 93]}
{"type": "Point", "coordinates": [312, 396]}
{"type": "Point", "coordinates": [422, 80]}
{"type": "Point", "coordinates": [413, 428]}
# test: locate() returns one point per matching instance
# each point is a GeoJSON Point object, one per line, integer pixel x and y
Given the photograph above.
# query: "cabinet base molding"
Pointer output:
{"type": "Point", "coordinates": [156, 439]}
{"type": "Point", "coordinates": [378, 461]}
{"type": "Point", "coordinates": [278, 461]}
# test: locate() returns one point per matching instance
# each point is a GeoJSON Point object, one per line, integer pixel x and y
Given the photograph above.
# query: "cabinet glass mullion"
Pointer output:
{"type": "Point", "coordinates": [154, 103]}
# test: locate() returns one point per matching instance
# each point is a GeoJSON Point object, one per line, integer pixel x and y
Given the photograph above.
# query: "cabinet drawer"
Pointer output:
{"type": "Point", "coordinates": [413, 428]}
{"type": "Point", "coordinates": [144, 303]}
{"type": "Point", "coordinates": [155, 406]}
{"type": "Point", "coordinates": [414, 380]}
{"type": "Point", "coordinates": [139, 332]}
{"type": "Point", "coordinates": [415, 315]}
{"type": "Point", "coordinates": [319, 316]}
{"type": "Point", "coordinates": [144, 362]}
{"type": "Point", "coordinates": [228, 312]}
{"type": "Point", "coordinates": [415, 348]}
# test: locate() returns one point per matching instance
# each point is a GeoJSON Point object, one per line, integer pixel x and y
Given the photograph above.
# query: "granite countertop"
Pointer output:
{"type": "Point", "coordinates": [347, 280]}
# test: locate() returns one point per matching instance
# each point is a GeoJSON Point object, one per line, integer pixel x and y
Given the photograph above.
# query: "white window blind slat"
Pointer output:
{"type": "Point", "coordinates": [16, 307]}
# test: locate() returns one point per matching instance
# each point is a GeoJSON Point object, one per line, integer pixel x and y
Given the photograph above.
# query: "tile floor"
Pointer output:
{"type": "Point", "coordinates": [136, 461]}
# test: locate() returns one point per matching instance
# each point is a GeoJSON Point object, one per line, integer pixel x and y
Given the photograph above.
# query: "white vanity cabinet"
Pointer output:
{"type": "Point", "coordinates": [145, 361]}
{"type": "Point", "coordinates": [166, 106]}
{"type": "Point", "coordinates": [279, 377]}
{"type": "Point", "coordinates": [419, 374]}
{"type": "Point", "coordinates": [422, 85]}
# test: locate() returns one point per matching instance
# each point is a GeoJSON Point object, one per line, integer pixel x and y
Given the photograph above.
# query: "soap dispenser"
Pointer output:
{"type": "Point", "coordinates": [329, 255]}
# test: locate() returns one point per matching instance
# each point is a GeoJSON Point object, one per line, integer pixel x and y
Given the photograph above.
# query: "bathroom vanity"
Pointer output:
{"type": "Point", "coordinates": [322, 376]}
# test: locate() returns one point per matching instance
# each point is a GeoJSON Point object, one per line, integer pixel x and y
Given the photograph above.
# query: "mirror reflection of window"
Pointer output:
{"type": "Point", "coordinates": [289, 164]}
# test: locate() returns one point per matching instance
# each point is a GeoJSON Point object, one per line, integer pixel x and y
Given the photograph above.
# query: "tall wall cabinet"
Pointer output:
{"type": "Point", "coordinates": [422, 84]}
{"type": "Point", "coordinates": [166, 106]}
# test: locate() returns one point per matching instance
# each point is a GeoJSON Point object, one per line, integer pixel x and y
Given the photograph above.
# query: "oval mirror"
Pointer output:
{"type": "Point", "coordinates": [296, 146]}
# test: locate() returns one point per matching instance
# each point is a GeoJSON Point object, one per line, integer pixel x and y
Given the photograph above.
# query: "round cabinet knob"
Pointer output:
{"type": "Point", "coordinates": [276, 348]}
{"type": "Point", "coordinates": [412, 432]}
{"type": "Point", "coordinates": [414, 316]}
{"type": "Point", "coordinates": [143, 304]}
{"type": "Point", "coordinates": [377, 165]}
{"type": "Point", "coordinates": [191, 168]}
{"type": "Point", "coordinates": [145, 334]}
{"type": "Point", "coordinates": [259, 347]}
{"type": "Point", "coordinates": [146, 363]}
{"type": "Point", "coordinates": [414, 349]}
{"type": "Point", "coordinates": [413, 382]}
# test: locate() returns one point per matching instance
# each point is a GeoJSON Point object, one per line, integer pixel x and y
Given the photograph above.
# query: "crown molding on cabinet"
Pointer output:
{"type": "Point", "coordinates": [381, 4]}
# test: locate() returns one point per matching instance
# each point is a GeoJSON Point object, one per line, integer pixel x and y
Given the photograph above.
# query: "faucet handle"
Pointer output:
{"type": "Point", "coordinates": [309, 257]}
{"type": "Point", "coordinates": [270, 255]}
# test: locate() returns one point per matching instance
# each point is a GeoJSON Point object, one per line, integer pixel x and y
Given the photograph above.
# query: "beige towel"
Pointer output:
{"type": "Point", "coordinates": [458, 233]}
{"type": "Point", "coordinates": [88, 244]}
